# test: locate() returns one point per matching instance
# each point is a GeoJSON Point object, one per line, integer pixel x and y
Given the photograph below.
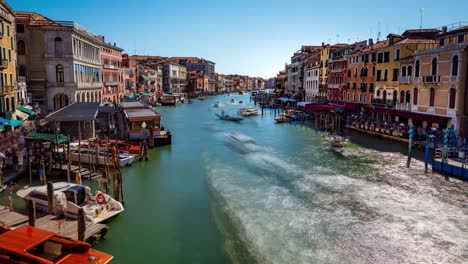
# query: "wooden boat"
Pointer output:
{"type": "Point", "coordinates": [282, 119]}
{"type": "Point", "coordinates": [87, 155]}
{"type": "Point", "coordinates": [229, 118]}
{"type": "Point", "coordinates": [169, 99]}
{"type": "Point", "coordinates": [27, 244]}
{"type": "Point", "coordinates": [122, 145]}
{"type": "Point", "coordinates": [70, 197]}
{"type": "Point", "coordinates": [249, 112]}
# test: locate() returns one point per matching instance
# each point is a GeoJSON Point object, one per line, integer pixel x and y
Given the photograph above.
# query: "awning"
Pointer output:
{"type": "Point", "coordinates": [303, 104]}
{"type": "Point", "coordinates": [144, 77]}
{"type": "Point", "coordinates": [321, 107]}
{"type": "Point", "coordinates": [148, 94]}
{"type": "Point", "coordinates": [422, 117]}
{"type": "Point", "coordinates": [25, 110]}
{"type": "Point", "coordinates": [15, 123]}
{"type": "Point", "coordinates": [129, 95]}
{"type": "Point", "coordinates": [2, 128]}
{"type": "Point", "coordinates": [43, 137]}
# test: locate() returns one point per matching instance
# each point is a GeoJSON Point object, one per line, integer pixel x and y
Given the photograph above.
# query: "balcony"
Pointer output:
{"type": "Point", "coordinates": [6, 89]}
{"type": "Point", "coordinates": [405, 79]}
{"type": "Point", "coordinates": [431, 79]}
{"type": "Point", "coordinates": [89, 85]}
{"type": "Point", "coordinates": [111, 83]}
{"type": "Point", "coordinates": [3, 64]}
{"type": "Point", "coordinates": [403, 106]}
{"type": "Point", "coordinates": [110, 66]}
{"type": "Point", "coordinates": [385, 102]}
{"type": "Point", "coordinates": [21, 79]}
{"type": "Point", "coordinates": [334, 86]}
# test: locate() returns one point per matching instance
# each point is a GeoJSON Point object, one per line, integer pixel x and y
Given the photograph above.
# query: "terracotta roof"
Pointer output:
{"type": "Point", "coordinates": [415, 41]}
{"type": "Point", "coordinates": [35, 19]}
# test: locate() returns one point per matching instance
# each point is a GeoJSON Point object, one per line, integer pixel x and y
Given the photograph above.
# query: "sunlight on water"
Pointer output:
{"type": "Point", "coordinates": [319, 208]}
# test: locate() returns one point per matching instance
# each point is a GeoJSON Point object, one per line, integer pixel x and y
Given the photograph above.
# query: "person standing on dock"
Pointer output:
{"type": "Point", "coordinates": [144, 135]}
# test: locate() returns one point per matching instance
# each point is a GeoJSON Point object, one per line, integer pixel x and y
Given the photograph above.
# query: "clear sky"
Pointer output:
{"type": "Point", "coordinates": [254, 37]}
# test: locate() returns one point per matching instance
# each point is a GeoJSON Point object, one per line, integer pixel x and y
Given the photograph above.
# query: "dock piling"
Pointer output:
{"type": "Point", "coordinates": [81, 225]}
{"type": "Point", "coordinates": [50, 197]}
{"type": "Point", "coordinates": [32, 213]}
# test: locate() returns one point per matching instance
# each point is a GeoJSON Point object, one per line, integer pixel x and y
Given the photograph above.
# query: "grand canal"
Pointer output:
{"type": "Point", "coordinates": [206, 200]}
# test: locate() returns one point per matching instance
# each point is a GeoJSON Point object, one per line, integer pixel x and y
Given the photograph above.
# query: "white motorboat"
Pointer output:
{"type": "Point", "coordinates": [217, 104]}
{"type": "Point", "coordinates": [70, 197]}
{"type": "Point", "coordinates": [242, 143]}
{"type": "Point", "coordinates": [87, 155]}
{"type": "Point", "coordinates": [249, 112]}
{"type": "Point", "coordinates": [282, 119]}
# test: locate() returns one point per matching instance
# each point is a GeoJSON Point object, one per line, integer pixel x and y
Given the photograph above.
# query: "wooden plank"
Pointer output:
{"type": "Point", "coordinates": [12, 218]}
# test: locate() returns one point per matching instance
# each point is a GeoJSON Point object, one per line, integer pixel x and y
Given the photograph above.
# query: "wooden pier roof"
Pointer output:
{"type": "Point", "coordinates": [75, 112]}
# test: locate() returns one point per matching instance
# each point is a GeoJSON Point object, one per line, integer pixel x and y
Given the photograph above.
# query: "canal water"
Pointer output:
{"type": "Point", "coordinates": [284, 199]}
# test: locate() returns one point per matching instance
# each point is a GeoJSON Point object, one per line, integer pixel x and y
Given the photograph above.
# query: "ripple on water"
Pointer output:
{"type": "Point", "coordinates": [343, 210]}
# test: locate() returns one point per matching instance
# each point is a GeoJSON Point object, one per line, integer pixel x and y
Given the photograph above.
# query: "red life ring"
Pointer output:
{"type": "Point", "coordinates": [100, 199]}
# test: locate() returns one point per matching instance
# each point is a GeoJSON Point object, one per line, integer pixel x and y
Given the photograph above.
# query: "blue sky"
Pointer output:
{"type": "Point", "coordinates": [254, 37]}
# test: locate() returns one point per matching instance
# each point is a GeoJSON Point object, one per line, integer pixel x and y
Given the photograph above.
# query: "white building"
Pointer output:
{"type": "Point", "coordinates": [174, 78]}
{"type": "Point", "coordinates": [311, 83]}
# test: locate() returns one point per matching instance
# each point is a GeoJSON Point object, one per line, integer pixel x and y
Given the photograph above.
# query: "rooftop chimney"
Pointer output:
{"type": "Point", "coordinates": [444, 29]}
{"type": "Point", "coordinates": [371, 42]}
{"type": "Point", "coordinates": [114, 45]}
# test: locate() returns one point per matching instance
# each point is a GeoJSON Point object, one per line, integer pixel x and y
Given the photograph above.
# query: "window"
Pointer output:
{"type": "Point", "coordinates": [395, 75]}
{"type": "Point", "coordinates": [373, 71]}
{"type": "Point", "coordinates": [386, 56]}
{"type": "Point", "coordinates": [59, 73]}
{"type": "Point", "coordinates": [453, 94]}
{"type": "Point", "coordinates": [455, 66]}
{"type": "Point", "coordinates": [8, 30]}
{"type": "Point", "coordinates": [385, 75]}
{"type": "Point", "coordinates": [416, 71]}
{"type": "Point", "coordinates": [371, 87]}
{"type": "Point", "coordinates": [9, 55]}
{"type": "Point", "coordinates": [379, 58]}
{"type": "Point", "coordinates": [397, 55]}
{"type": "Point", "coordinates": [373, 57]}
{"type": "Point", "coordinates": [431, 96]}
{"type": "Point", "coordinates": [461, 38]}
{"type": "Point", "coordinates": [379, 75]}
{"type": "Point", "coordinates": [20, 28]}
{"type": "Point", "coordinates": [21, 46]}
{"type": "Point", "coordinates": [12, 100]}
{"type": "Point", "coordinates": [402, 96]}
{"type": "Point", "coordinates": [441, 42]}
{"type": "Point", "coordinates": [378, 93]}
{"type": "Point", "coordinates": [410, 71]}
{"type": "Point", "coordinates": [434, 67]}
{"type": "Point", "coordinates": [58, 45]}
{"type": "Point", "coordinates": [403, 71]}
{"type": "Point", "coordinates": [22, 71]}
{"type": "Point", "coordinates": [354, 86]}
{"type": "Point", "coordinates": [415, 96]}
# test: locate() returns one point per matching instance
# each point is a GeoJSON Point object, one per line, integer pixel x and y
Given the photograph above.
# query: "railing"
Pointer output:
{"type": "Point", "coordinates": [449, 79]}
{"type": "Point", "coordinates": [112, 83]}
{"type": "Point", "coordinates": [403, 106]}
{"type": "Point", "coordinates": [88, 85]}
{"type": "Point", "coordinates": [6, 89]}
{"type": "Point", "coordinates": [110, 66]}
{"type": "Point", "coordinates": [405, 79]}
{"type": "Point", "coordinates": [334, 86]}
{"type": "Point", "coordinates": [21, 79]}
{"type": "Point", "coordinates": [4, 64]}
{"type": "Point", "coordinates": [431, 79]}
{"type": "Point", "coordinates": [385, 102]}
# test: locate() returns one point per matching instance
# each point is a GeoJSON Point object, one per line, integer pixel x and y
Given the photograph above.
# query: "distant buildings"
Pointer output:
{"type": "Point", "coordinates": [112, 74]}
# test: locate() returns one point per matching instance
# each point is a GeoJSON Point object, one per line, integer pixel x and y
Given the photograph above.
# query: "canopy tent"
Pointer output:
{"type": "Point", "coordinates": [43, 137]}
{"type": "Point", "coordinates": [13, 122]}
{"type": "Point", "coordinates": [148, 94]}
{"type": "Point", "coordinates": [25, 110]}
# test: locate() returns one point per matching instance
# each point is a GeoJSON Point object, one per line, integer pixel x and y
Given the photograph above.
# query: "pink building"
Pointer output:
{"type": "Point", "coordinates": [111, 61]}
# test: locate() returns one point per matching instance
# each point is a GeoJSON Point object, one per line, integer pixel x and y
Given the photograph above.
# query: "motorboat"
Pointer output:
{"type": "Point", "coordinates": [299, 115]}
{"type": "Point", "coordinates": [282, 119]}
{"type": "Point", "coordinates": [229, 118]}
{"type": "Point", "coordinates": [241, 92]}
{"type": "Point", "coordinates": [70, 197]}
{"type": "Point", "coordinates": [233, 101]}
{"type": "Point", "coordinates": [217, 104]}
{"type": "Point", "coordinates": [87, 155]}
{"type": "Point", "coordinates": [249, 112]}
{"type": "Point", "coordinates": [241, 102]}
{"type": "Point", "coordinates": [28, 244]}
{"type": "Point", "coordinates": [336, 146]}
{"type": "Point", "coordinates": [242, 143]}
{"type": "Point", "coordinates": [288, 113]}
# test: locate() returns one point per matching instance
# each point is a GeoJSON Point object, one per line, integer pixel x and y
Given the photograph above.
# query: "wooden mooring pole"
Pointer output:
{"type": "Point", "coordinates": [32, 213]}
{"type": "Point", "coordinates": [81, 225]}
{"type": "Point", "coordinates": [50, 197]}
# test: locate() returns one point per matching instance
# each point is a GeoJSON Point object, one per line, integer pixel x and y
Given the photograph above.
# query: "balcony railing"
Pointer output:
{"type": "Point", "coordinates": [111, 83]}
{"type": "Point", "coordinates": [110, 66]}
{"type": "Point", "coordinates": [21, 79]}
{"type": "Point", "coordinates": [89, 85]}
{"type": "Point", "coordinates": [334, 86]}
{"type": "Point", "coordinates": [386, 102]}
{"type": "Point", "coordinates": [4, 64]}
{"type": "Point", "coordinates": [403, 106]}
{"type": "Point", "coordinates": [431, 79]}
{"type": "Point", "coordinates": [405, 79]}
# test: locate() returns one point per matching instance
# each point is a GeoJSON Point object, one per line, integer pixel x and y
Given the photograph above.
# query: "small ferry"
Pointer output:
{"type": "Point", "coordinates": [71, 197]}
{"type": "Point", "coordinates": [169, 99]}
{"type": "Point", "coordinates": [27, 244]}
{"type": "Point", "coordinates": [229, 118]}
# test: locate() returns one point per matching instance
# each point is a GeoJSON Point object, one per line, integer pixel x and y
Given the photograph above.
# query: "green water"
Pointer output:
{"type": "Point", "coordinates": [291, 200]}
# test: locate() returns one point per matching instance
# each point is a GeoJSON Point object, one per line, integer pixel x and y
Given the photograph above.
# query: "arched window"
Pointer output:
{"type": "Point", "coordinates": [22, 71]}
{"type": "Point", "coordinates": [403, 71]}
{"type": "Point", "coordinates": [59, 73]}
{"type": "Point", "coordinates": [60, 101]}
{"type": "Point", "coordinates": [349, 73]}
{"type": "Point", "coordinates": [408, 97]}
{"type": "Point", "coordinates": [402, 96]}
{"type": "Point", "coordinates": [415, 96]}
{"type": "Point", "coordinates": [378, 93]}
{"type": "Point", "coordinates": [12, 100]}
{"type": "Point", "coordinates": [434, 67]}
{"type": "Point", "coordinates": [58, 47]}
{"type": "Point", "coordinates": [21, 47]}
{"type": "Point", "coordinates": [365, 71]}
{"type": "Point", "coordinates": [416, 69]}
{"type": "Point", "coordinates": [384, 95]}
{"type": "Point", "coordinates": [78, 97]}
{"type": "Point", "coordinates": [410, 71]}
{"type": "Point", "coordinates": [431, 97]}
{"type": "Point", "coordinates": [453, 96]}
{"type": "Point", "coordinates": [455, 66]}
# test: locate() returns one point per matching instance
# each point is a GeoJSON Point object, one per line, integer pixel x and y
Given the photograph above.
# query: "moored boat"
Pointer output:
{"type": "Point", "coordinates": [229, 118]}
{"type": "Point", "coordinates": [27, 244]}
{"type": "Point", "coordinates": [282, 119]}
{"type": "Point", "coordinates": [249, 111]}
{"type": "Point", "coordinates": [87, 155]}
{"type": "Point", "coordinates": [70, 197]}
{"type": "Point", "coordinates": [336, 146]}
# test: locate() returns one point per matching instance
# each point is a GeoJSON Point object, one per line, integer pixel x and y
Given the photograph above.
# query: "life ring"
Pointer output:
{"type": "Point", "coordinates": [100, 199]}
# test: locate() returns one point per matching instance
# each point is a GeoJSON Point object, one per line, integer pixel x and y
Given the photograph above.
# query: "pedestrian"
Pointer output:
{"type": "Point", "coordinates": [9, 192]}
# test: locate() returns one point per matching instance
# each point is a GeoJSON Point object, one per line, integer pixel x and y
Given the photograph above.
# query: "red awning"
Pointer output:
{"type": "Point", "coordinates": [321, 107]}
{"type": "Point", "coordinates": [421, 117]}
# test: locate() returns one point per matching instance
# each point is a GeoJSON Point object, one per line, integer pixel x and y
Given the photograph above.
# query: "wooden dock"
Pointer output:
{"type": "Point", "coordinates": [84, 172]}
{"type": "Point", "coordinates": [66, 227]}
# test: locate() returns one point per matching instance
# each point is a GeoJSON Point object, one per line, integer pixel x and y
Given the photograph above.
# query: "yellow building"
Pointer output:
{"type": "Point", "coordinates": [325, 52]}
{"type": "Point", "coordinates": [8, 100]}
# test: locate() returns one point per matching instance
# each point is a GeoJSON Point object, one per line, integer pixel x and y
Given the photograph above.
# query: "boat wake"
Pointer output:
{"type": "Point", "coordinates": [343, 211]}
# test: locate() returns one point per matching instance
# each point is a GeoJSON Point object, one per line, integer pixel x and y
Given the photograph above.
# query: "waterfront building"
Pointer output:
{"type": "Point", "coordinates": [281, 82]}
{"type": "Point", "coordinates": [228, 83]}
{"type": "Point", "coordinates": [128, 74]}
{"type": "Point", "coordinates": [312, 77]}
{"type": "Point", "coordinates": [174, 76]}
{"type": "Point", "coordinates": [359, 75]}
{"type": "Point", "coordinates": [440, 81]}
{"type": "Point", "coordinates": [295, 70]}
{"type": "Point", "coordinates": [220, 83]}
{"type": "Point", "coordinates": [10, 97]}
{"type": "Point", "coordinates": [112, 75]}
{"type": "Point", "coordinates": [197, 64]}
{"type": "Point", "coordinates": [325, 52]}
{"type": "Point", "coordinates": [62, 62]}
{"type": "Point", "coordinates": [270, 83]}
{"type": "Point", "coordinates": [198, 83]}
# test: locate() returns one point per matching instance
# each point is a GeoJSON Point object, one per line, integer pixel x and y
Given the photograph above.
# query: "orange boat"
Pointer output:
{"type": "Point", "coordinates": [123, 145]}
{"type": "Point", "coordinates": [27, 244]}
